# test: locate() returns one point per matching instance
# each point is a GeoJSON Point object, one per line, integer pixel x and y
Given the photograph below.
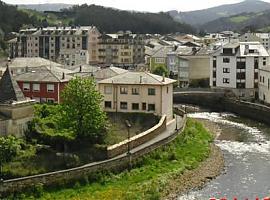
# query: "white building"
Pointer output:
{"type": "Point", "coordinates": [264, 84]}
{"type": "Point", "coordinates": [263, 38]}
{"type": "Point", "coordinates": [138, 92]}
{"type": "Point", "coordinates": [235, 67]}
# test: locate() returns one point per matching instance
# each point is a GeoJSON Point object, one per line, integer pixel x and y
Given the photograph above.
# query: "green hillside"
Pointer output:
{"type": "Point", "coordinates": [243, 22]}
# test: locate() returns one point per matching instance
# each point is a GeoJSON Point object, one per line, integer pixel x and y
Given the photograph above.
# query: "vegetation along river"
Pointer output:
{"type": "Point", "coordinates": [246, 148]}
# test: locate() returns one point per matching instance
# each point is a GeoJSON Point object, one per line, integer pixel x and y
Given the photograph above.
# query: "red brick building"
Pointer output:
{"type": "Point", "coordinates": [43, 84]}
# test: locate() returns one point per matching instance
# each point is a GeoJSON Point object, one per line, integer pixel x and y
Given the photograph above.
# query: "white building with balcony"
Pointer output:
{"type": "Point", "coordinates": [235, 67]}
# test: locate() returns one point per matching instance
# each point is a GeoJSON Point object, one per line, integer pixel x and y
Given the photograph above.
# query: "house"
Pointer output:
{"type": "Point", "coordinates": [15, 110]}
{"type": "Point", "coordinates": [178, 68]}
{"type": "Point", "coordinates": [235, 67]}
{"type": "Point", "coordinates": [138, 92]}
{"type": "Point", "coordinates": [159, 58]}
{"type": "Point", "coordinates": [43, 84]}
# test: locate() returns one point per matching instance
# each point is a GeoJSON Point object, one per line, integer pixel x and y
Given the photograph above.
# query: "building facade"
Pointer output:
{"type": "Point", "coordinates": [236, 66]}
{"type": "Point", "coordinates": [66, 45]}
{"type": "Point", "coordinates": [264, 84]}
{"type": "Point", "coordinates": [122, 50]}
{"type": "Point", "coordinates": [43, 85]}
{"type": "Point", "coordinates": [263, 38]}
{"type": "Point", "coordinates": [178, 68]}
{"type": "Point", "coordinates": [138, 92]}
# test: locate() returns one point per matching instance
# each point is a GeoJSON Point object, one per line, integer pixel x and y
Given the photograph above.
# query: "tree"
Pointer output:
{"type": "Point", "coordinates": [160, 70]}
{"type": "Point", "coordinates": [9, 149]}
{"type": "Point", "coordinates": [81, 105]}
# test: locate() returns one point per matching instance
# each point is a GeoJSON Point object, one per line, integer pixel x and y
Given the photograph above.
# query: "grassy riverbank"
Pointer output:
{"type": "Point", "coordinates": [150, 177]}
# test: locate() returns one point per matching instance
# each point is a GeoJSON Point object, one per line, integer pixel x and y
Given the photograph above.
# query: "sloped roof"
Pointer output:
{"type": "Point", "coordinates": [138, 78]}
{"type": "Point", "coordinates": [44, 74]}
{"type": "Point", "coordinates": [108, 73]}
{"type": "Point", "coordinates": [9, 89]}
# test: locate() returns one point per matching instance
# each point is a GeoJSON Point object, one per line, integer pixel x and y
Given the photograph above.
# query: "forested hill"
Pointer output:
{"type": "Point", "coordinates": [243, 22]}
{"type": "Point", "coordinates": [12, 19]}
{"type": "Point", "coordinates": [112, 20]}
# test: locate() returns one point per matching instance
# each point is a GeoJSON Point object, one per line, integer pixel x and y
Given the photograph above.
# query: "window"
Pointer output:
{"type": "Point", "coordinates": [123, 90]}
{"type": "Point", "coordinates": [108, 104]}
{"type": "Point", "coordinates": [151, 107]}
{"type": "Point", "coordinates": [226, 80]}
{"type": "Point", "coordinates": [36, 87]}
{"type": "Point", "coordinates": [135, 91]}
{"type": "Point", "coordinates": [50, 87]}
{"type": "Point", "coordinates": [159, 60]}
{"type": "Point", "coordinates": [135, 106]}
{"type": "Point", "coordinates": [26, 86]}
{"type": "Point", "coordinates": [143, 106]}
{"type": "Point", "coordinates": [151, 91]}
{"type": "Point", "coordinates": [226, 70]}
{"type": "Point", "coordinates": [107, 89]}
{"type": "Point", "coordinates": [167, 90]}
{"type": "Point", "coordinates": [123, 105]}
{"type": "Point", "coordinates": [226, 60]}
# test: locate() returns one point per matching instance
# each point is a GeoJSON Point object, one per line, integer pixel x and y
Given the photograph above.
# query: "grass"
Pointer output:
{"type": "Point", "coordinates": [140, 122]}
{"type": "Point", "coordinates": [148, 178]}
{"type": "Point", "coordinates": [239, 19]}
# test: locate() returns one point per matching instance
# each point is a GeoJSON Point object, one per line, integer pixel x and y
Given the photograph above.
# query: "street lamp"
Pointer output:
{"type": "Point", "coordinates": [128, 125]}
{"type": "Point", "coordinates": [176, 122]}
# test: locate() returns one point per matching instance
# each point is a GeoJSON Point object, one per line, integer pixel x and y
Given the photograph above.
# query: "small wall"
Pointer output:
{"type": "Point", "coordinates": [137, 140]}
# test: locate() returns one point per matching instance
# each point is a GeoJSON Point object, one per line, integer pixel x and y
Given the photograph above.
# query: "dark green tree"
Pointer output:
{"type": "Point", "coordinates": [9, 149]}
{"type": "Point", "coordinates": [160, 70]}
{"type": "Point", "coordinates": [81, 105]}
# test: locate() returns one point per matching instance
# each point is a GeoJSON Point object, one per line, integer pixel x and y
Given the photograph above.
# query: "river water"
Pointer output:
{"type": "Point", "coordinates": [246, 148]}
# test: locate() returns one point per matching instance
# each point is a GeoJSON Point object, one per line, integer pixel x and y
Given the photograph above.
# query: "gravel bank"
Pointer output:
{"type": "Point", "coordinates": [197, 178]}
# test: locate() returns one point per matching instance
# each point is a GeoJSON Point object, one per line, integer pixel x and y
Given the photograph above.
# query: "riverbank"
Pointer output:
{"type": "Point", "coordinates": [150, 175]}
{"type": "Point", "coordinates": [205, 172]}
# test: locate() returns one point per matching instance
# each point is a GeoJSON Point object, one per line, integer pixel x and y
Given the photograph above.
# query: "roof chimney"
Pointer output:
{"type": "Point", "coordinates": [63, 76]}
{"type": "Point", "coordinates": [163, 77]}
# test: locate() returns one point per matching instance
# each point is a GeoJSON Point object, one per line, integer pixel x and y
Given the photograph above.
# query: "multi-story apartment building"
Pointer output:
{"type": "Point", "coordinates": [138, 92]}
{"type": "Point", "coordinates": [263, 38]}
{"type": "Point", "coordinates": [67, 45]}
{"type": "Point", "coordinates": [236, 66]}
{"type": "Point", "coordinates": [122, 50]}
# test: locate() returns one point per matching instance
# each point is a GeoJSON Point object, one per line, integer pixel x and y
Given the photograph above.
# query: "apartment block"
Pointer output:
{"type": "Point", "coordinates": [235, 67]}
{"type": "Point", "coordinates": [122, 49]}
{"type": "Point", "coordinates": [66, 45]}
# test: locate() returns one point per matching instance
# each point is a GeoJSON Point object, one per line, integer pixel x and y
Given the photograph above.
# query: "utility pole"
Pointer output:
{"type": "Point", "coordinates": [128, 125]}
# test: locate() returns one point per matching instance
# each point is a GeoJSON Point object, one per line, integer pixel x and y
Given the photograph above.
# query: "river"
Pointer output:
{"type": "Point", "coordinates": [246, 148]}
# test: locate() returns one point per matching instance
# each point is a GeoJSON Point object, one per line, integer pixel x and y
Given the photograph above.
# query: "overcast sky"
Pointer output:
{"type": "Point", "coordinates": [139, 5]}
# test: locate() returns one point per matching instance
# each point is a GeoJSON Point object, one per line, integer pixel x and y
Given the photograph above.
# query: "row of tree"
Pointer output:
{"type": "Point", "coordinates": [113, 20]}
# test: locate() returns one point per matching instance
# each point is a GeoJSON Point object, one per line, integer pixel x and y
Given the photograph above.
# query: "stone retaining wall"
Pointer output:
{"type": "Point", "coordinates": [137, 140]}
